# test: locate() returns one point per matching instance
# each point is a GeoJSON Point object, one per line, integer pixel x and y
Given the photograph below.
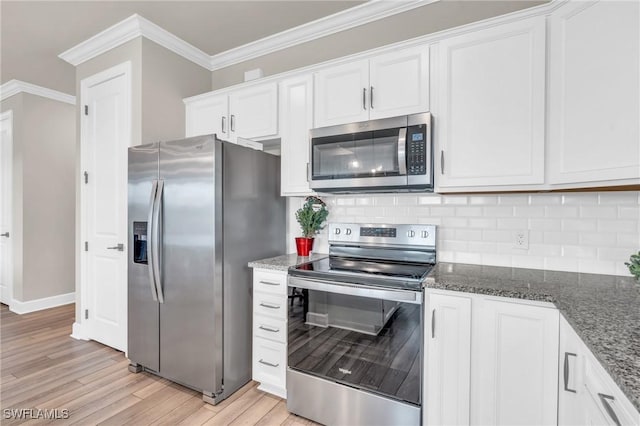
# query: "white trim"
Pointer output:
{"type": "Point", "coordinates": [137, 26]}
{"type": "Point", "coordinates": [350, 18]}
{"type": "Point", "coordinates": [128, 29]}
{"type": "Point", "coordinates": [7, 194]}
{"type": "Point", "coordinates": [39, 304]}
{"type": "Point", "coordinates": [77, 332]}
{"type": "Point", "coordinates": [13, 87]}
{"type": "Point", "coordinates": [427, 39]}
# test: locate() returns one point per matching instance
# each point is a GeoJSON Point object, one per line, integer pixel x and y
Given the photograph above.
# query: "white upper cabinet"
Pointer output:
{"type": "Point", "coordinates": [208, 115]}
{"type": "Point", "coordinates": [296, 119]}
{"type": "Point", "coordinates": [447, 360]}
{"type": "Point", "coordinates": [341, 94]}
{"type": "Point", "coordinates": [594, 92]}
{"type": "Point", "coordinates": [251, 113]}
{"type": "Point", "coordinates": [514, 370]}
{"type": "Point", "coordinates": [254, 111]}
{"type": "Point", "coordinates": [388, 85]}
{"type": "Point", "coordinates": [399, 83]}
{"type": "Point", "coordinates": [490, 117]}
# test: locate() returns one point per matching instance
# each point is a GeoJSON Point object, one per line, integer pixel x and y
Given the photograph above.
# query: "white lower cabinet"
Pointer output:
{"type": "Point", "coordinates": [587, 394]}
{"type": "Point", "coordinates": [270, 330]}
{"type": "Point", "coordinates": [447, 360]}
{"type": "Point", "coordinates": [489, 361]}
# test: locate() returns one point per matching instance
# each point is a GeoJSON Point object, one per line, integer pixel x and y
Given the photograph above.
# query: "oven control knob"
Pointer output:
{"type": "Point", "coordinates": [348, 231]}
{"type": "Point", "coordinates": [425, 234]}
{"type": "Point", "coordinates": [337, 231]}
{"type": "Point", "coordinates": [411, 234]}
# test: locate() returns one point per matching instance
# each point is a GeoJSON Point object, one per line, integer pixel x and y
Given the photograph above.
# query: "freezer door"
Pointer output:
{"type": "Point", "coordinates": [143, 310]}
{"type": "Point", "coordinates": [190, 273]}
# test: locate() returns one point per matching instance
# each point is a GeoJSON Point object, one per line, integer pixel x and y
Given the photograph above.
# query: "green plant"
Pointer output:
{"type": "Point", "coordinates": [634, 265]}
{"type": "Point", "coordinates": [311, 216]}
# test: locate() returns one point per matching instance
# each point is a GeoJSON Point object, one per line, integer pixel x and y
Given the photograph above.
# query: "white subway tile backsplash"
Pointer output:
{"type": "Point", "coordinates": [561, 237]}
{"type": "Point", "coordinates": [618, 198]}
{"type": "Point", "coordinates": [561, 211]}
{"type": "Point", "coordinates": [430, 199]}
{"type": "Point", "coordinates": [484, 200]}
{"type": "Point", "coordinates": [500, 211]}
{"type": "Point", "coordinates": [598, 211]}
{"type": "Point", "coordinates": [609, 225]}
{"type": "Point", "coordinates": [469, 211]}
{"type": "Point", "coordinates": [587, 232]}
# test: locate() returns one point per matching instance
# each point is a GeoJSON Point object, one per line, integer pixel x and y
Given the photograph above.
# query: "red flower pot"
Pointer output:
{"type": "Point", "coordinates": [304, 246]}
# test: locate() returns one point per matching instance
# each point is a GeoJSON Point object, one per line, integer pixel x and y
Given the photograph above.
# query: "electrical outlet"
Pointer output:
{"type": "Point", "coordinates": [521, 239]}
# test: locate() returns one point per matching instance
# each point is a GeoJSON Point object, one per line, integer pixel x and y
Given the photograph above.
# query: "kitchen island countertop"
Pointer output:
{"type": "Point", "coordinates": [603, 309]}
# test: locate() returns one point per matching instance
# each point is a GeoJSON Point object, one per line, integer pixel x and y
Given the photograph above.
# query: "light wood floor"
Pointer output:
{"type": "Point", "coordinates": [43, 368]}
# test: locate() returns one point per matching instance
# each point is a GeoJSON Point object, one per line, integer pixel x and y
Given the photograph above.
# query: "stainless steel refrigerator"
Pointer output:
{"type": "Point", "coordinates": [199, 210]}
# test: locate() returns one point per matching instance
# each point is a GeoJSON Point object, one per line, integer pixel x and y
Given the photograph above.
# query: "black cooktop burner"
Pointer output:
{"type": "Point", "coordinates": [368, 272]}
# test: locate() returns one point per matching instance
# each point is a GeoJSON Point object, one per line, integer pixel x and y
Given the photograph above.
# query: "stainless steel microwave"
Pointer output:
{"type": "Point", "coordinates": [387, 155]}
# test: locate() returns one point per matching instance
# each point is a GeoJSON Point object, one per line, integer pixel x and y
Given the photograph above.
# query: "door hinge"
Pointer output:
{"type": "Point", "coordinates": [86, 110]}
{"type": "Point", "coordinates": [86, 314]}
{"type": "Point", "coordinates": [86, 246]}
{"type": "Point", "coordinates": [86, 177]}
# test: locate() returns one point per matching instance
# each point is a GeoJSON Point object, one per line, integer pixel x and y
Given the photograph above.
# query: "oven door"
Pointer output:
{"type": "Point", "coordinates": [364, 337]}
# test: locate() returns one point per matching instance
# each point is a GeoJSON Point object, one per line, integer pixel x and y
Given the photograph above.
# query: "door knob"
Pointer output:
{"type": "Point", "coordinates": [6, 234]}
{"type": "Point", "coordinates": [119, 247]}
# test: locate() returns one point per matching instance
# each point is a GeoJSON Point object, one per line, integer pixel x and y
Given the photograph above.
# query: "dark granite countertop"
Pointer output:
{"type": "Point", "coordinates": [284, 262]}
{"type": "Point", "coordinates": [603, 309]}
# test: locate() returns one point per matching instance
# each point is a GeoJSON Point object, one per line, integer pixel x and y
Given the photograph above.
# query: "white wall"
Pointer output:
{"type": "Point", "coordinates": [593, 232]}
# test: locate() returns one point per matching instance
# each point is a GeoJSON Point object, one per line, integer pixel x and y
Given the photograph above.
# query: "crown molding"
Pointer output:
{"type": "Point", "coordinates": [362, 14]}
{"type": "Point", "coordinates": [127, 30]}
{"type": "Point", "coordinates": [13, 87]}
{"type": "Point", "coordinates": [137, 26]}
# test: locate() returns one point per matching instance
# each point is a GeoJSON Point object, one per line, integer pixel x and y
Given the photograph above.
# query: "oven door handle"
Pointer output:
{"type": "Point", "coordinates": [358, 290]}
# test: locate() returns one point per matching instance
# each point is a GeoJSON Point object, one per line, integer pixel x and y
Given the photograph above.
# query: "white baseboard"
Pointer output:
{"type": "Point", "coordinates": [39, 304]}
{"type": "Point", "coordinates": [78, 332]}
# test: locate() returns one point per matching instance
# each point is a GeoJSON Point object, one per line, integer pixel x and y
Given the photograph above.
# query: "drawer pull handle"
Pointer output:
{"type": "Point", "coordinates": [566, 371]}
{"type": "Point", "coordinates": [268, 283]}
{"type": "Point", "coordinates": [609, 408]}
{"type": "Point", "coordinates": [269, 305]}
{"type": "Point", "coordinates": [268, 363]}
{"type": "Point", "coordinates": [265, 328]}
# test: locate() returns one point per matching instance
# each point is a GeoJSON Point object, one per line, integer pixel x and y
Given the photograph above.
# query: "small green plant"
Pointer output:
{"type": "Point", "coordinates": [311, 216]}
{"type": "Point", "coordinates": [634, 265]}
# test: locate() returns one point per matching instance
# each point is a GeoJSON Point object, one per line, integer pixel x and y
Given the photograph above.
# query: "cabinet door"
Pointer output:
{"type": "Point", "coordinates": [399, 83]}
{"type": "Point", "coordinates": [571, 411]}
{"type": "Point", "coordinates": [206, 116]}
{"type": "Point", "coordinates": [296, 119]}
{"type": "Point", "coordinates": [447, 359]}
{"type": "Point", "coordinates": [491, 116]}
{"type": "Point", "coordinates": [514, 370]}
{"type": "Point", "coordinates": [341, 94]}
{"type": "Point", "coordinates": [254, 111]}
{"type": "Point", "coordinates": [594, 83]}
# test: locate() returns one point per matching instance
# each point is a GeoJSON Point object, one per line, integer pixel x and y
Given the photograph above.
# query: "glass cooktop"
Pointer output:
{"type": "Point", "coordinates": [368, 272]}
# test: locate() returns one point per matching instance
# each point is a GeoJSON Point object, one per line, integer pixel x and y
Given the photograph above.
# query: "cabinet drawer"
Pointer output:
{"type": "Point", "coordinates": [270, 282]}
{"type": "Point", "coordinates": [269, 361]}
{"type": "Point", "coordinates": [270, 305]}
{"type": "Point", "coordinates": [269, 328]}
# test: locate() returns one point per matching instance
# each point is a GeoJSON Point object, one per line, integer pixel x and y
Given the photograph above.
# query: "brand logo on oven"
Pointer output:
{"type": "Point", "coordinates": [344, 370]}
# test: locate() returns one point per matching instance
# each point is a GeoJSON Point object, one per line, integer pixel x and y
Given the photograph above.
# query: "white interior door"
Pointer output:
{"type": "Point", "coordinates": [6, 232]}
{"type": "Point", "coordinates": [106, 135]}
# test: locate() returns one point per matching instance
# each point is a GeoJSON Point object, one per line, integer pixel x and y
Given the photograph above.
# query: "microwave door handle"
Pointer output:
{"type": "Point", "coordinates": [402, 151]}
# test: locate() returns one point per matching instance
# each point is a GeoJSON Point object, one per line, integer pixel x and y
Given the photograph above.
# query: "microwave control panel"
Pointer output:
{"type": "Point", "coordinates": [417, 150]}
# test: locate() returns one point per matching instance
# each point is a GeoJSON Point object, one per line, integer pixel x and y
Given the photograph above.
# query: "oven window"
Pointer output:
{"type": "Point", "coordinates": [364, 154]}
{"type": "Point", "coordinates": [371, 344]}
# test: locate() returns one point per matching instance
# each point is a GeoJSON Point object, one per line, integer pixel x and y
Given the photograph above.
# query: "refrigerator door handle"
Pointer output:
{"type": "Point", "coordinates": [155, 245]}
{"type": "Point", "coordinates": [150, 253]}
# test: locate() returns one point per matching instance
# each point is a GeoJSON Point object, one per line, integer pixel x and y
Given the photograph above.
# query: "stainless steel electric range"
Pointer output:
{"type": "Point", "coordinates": [355, 336]}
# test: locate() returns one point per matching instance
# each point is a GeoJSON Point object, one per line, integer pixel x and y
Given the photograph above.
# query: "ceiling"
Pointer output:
{"type": "Point", "coordinates": [34, 33]}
